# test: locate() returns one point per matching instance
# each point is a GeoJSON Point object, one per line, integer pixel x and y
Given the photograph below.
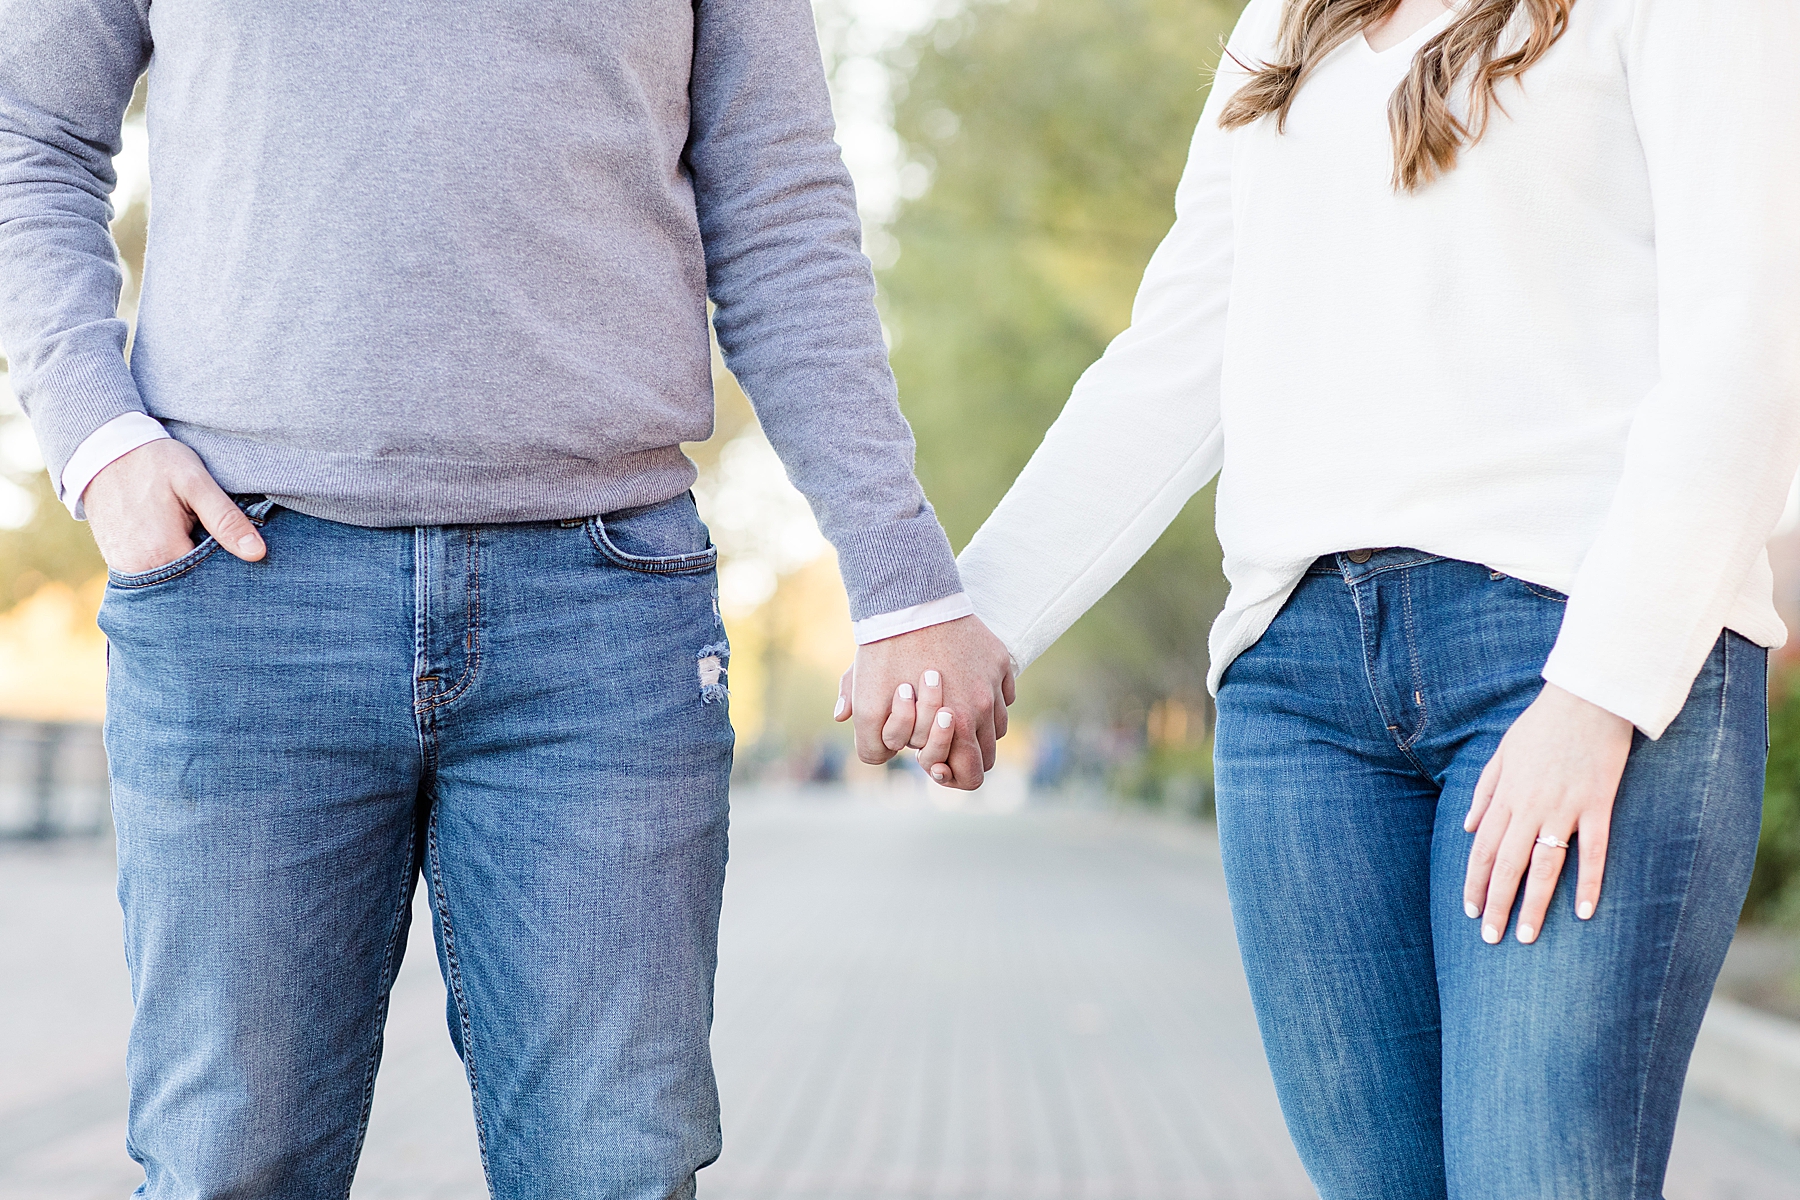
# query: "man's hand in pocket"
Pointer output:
{"type": "Point", "coordinates": [144, 507]}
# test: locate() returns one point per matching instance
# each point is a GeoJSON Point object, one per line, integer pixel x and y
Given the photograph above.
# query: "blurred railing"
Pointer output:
{"type": "Point", "coordinates": [52, 781]}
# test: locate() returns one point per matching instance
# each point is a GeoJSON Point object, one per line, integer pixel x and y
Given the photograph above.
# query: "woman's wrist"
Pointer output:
{"type": "Point", "coordinates": [1583, 712]}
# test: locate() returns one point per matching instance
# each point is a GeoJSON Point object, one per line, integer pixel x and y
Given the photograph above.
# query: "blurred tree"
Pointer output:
{"type": "Point", "coordinates": [51, 547]}
{"type": "Point", "coordinates": [1045, 140]}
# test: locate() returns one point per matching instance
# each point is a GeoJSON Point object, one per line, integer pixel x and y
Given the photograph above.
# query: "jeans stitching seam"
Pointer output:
{"type": "Point", "coordinates": [1362, 632]}
{"type": "Point", "coordinates": [1712, 775]}
{"type": "Point", "coordinates": [453, 963]}
{"type": "Point", "coordinates": [680, 564]}
{"type": "Point", "coordinates": [1370, 572]}
{"type": "Point", "coordinates": [472, 640]}
{"type": "Point", "coordinates": [421, 618]}
{"type": "Point", "coordinates": [1418, 679]}
{"type": "Point", "coordinates": [155, 578]}
{"type": "Point", "coordinates": [1369, 673]}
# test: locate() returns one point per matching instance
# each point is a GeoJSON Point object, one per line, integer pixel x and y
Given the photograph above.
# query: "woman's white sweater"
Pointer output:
{"type": "Point", "coordinates": [1575, 359]}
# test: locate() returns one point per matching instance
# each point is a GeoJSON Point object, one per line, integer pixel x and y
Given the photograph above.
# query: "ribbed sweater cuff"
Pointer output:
{"type": "Point", "coordinates": [897, 566]}
{"type": "Point", "coordinates": [71, 398]}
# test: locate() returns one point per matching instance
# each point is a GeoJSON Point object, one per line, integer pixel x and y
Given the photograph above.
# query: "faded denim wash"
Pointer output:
{"type": "Point", "coordinates": [518, 713]}
{"type": "Point", "coordinates": [1414, 1061]}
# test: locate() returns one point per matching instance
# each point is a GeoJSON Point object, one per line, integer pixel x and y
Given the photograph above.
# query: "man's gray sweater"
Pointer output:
{"type": "Point", "coordinates": [445, 263]}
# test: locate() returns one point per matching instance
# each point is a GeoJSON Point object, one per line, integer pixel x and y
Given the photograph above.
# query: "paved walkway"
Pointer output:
{"type": "Point", "coordinates": [912, 1004]}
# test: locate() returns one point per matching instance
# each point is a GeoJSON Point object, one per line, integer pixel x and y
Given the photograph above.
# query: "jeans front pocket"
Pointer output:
{"type": "Point", "coordinates": [1525, 585]}
{"type": "Point", "coordinates": [658, 539]}
{"type": "Point", "coordinates": [255, 507]}
{"type": "Point", "coordinates": [163, 574]}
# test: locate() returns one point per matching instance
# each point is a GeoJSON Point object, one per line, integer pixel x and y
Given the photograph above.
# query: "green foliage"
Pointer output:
{"type": "Point", "coordinates": [1775, 887]}
{"type": "Point", "coordinates": [1054, 133]}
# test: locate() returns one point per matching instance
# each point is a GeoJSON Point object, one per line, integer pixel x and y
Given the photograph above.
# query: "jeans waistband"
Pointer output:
{"type": "Point", "coordinates": [1356, 564]}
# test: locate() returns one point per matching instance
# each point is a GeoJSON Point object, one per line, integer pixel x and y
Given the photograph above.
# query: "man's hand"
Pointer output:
{"type": "Point", "coordinates": [143, 507]}
{"type": "Point", "coordinates": [896, 693]}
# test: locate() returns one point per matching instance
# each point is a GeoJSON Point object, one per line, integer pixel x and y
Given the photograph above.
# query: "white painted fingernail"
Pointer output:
{"type": "Point", "coordinates": [1474, 910]}
{"type": "Point", "coordinates": [839, 710]}
{"type": "Point", "coordinates": [944, 718]}
{"type": "Point", "coordinates": [1526, 933]}
{"type": "Point", "coordinates": [906, 691]}
{"type": "Point", "coordinates": [1490, 935]}
{"type": "Point", "coordinates": [931, 679]}
{"type": "Point", "coordinates": [939, 774]}
{"type": "Point", "coordinates": [1585, 909]}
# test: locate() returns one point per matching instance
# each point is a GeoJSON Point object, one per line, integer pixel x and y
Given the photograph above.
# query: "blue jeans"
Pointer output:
{"type": "Point", "coordinates": [532, 718]}
{"type": "Point", "coordinates": [1413, 1060]}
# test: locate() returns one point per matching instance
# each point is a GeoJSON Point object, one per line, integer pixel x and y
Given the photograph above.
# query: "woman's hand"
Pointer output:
{"type": "Point", "coordinates": [976, 686]}
{"type": "Point", "coordinates": [1554, 777]}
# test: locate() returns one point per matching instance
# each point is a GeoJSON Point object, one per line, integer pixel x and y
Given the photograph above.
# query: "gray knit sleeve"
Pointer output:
{"type": "Point", "coordinates": [795, 297]}
{"type": "Point", "coordinates": [66, 72]}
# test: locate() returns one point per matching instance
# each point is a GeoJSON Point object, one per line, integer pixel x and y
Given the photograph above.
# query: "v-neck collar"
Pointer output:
{"type": "Point", "coordinates": [1415, 39]}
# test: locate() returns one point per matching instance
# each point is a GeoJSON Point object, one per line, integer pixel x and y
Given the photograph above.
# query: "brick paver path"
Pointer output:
{"type": "Point", "coordinates": [912, 1004]}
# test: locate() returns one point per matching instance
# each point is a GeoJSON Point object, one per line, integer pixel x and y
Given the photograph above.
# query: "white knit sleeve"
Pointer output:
{"type": "Point", "coordinates": [1713, 447]}
{"type": "Point", "coordinates": [1140, 434]}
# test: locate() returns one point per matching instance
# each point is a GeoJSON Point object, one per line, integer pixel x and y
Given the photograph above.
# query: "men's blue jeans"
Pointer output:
{"type": "Point", "coordinates": [530, 716]}
{"type": "Point", "coordinates": [1413, 1060]}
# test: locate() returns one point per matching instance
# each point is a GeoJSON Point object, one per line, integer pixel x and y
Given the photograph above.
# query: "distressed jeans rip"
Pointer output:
{"type": "Point", "coordinates": [712, 665]}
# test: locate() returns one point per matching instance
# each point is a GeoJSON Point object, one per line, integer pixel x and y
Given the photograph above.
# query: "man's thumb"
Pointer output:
{"type": "Point", "coordinates": [225, 520]}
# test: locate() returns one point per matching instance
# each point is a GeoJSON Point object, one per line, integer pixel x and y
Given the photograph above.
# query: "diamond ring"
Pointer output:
{"type": "Point", "coordinates": [1545, 839]}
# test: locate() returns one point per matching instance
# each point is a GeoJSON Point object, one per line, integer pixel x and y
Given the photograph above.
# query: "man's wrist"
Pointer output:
{"type": "Point", "coordinates": [100, 450]}
{"type": "Point", "coordinates": [910, 620]}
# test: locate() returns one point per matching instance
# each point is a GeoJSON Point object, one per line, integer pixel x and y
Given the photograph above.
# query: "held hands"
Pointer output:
{"type": "Point", "coordinates": [1551, 782]}
{"type": "Point", "coordinates": [143, 507]}
{"type": "Point", "coordinates": [899, 699]}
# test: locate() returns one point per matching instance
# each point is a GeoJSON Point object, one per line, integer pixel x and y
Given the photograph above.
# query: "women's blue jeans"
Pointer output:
{"type": "Point", "coordinates": [1413, 1060]}
{"type": "Point", "coordinates": [530, 717]}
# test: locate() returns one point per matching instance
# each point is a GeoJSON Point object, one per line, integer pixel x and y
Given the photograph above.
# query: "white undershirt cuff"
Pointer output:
{"type": "Point", "coordinates": [910, 620]}
{"type": "Point", "coordinates": [100, 449]}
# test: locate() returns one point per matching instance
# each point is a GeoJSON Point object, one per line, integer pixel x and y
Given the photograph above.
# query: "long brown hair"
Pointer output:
{"type": "Point", "coordinates": [1428, 135]}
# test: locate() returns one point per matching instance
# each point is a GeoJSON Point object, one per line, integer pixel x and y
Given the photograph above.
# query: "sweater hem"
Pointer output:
{"type": "Point", "coordinates": [388, 492]}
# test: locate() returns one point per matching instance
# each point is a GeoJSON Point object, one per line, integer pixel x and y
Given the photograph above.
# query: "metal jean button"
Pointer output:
{"type": "Point", "coordinates": [1360, 556]}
